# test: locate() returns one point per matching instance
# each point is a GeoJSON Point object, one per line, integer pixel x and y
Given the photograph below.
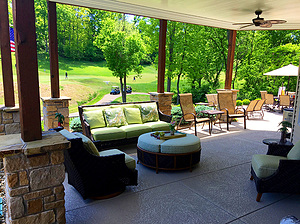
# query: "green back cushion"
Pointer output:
{"type": "Point", "coordinates": [95, 118]}
{"type": "Point", "coordinates": [133, 115]}
{"type": "Point", "coordinates": [115, 117]}
{"type": "Point", "coordinates": [88, 144]}
{"type": "Point", "coordinates": [295, 152]}
{"type": "Point", "coordinates": [149, 112]}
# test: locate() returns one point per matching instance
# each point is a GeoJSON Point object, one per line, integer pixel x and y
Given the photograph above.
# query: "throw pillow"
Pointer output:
{"type": "Point", "coordinates": [133, 115]}
{"type": "Point", "coordinates": [88, 144]}
{"type": "Point", "coordinates": [115, 117]}
{"type": "Point", "coordinates": [149, 112]}
{"type": "Point", "coordinates": [95, 118]}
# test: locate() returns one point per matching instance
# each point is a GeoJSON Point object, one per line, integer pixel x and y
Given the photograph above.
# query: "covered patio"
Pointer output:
{"type": "Point", "coordinates": [218, 190]}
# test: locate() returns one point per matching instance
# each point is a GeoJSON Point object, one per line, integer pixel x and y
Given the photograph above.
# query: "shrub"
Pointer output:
{"type": "Point", "coordinates": [75, 124]}
{"type": "Point", "coordinates": [246, 102]}
{"type": "Point", "coordinates": [239, 103]}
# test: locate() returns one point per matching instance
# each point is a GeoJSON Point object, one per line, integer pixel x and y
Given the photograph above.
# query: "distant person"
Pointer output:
{"type": "Point", "coordinates": [66, 76]}
{"type": "Point", "coordinates": [133, 78]}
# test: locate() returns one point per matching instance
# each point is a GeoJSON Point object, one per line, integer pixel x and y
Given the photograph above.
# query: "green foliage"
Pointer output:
{"type": "Point", "coordinates": [60, 117]}
{"type": "Point", "coordinates": [177, 113]}
{"type": "Point", "coordinates": [239, 103]}
{"type": "Point", "coordinates": [284, 125]}
{"type": "Point", "coordinates": [75, 124]}
{"type": "Point", "coordinates": [246, 102]}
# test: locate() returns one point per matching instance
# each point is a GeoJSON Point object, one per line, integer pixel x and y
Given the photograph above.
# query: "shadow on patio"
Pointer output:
{"type": "Point", "coordinates": [218, 190]}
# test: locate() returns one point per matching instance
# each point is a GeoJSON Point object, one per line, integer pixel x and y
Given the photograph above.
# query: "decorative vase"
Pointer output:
{"type": "Point", "coordinates": [172, 132]}
{"type": "Point", "coordinates": [283, 137]}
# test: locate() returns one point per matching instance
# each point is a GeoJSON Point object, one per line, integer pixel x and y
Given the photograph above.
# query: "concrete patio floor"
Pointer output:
{"type": "Point", "coordinates": [217, 191]}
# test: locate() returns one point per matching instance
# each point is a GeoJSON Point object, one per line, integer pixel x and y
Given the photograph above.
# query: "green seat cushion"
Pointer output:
{"type": "Point", "coordinates": [115, 117]}
{"type": "Point", "coordinates": [129, 161]}
{"type": "Point", "coordinates": [158, 126]}
{"type": "Point", "coordinates": [149, 112]}
{"type": "Point", "coordinates": [108, 134]}
{"type": "Point", "coordinates": [67, 134]}
{"type": "Point", "coordinates": [133, 115]}
{"type": "Point", "coordinates": [294, 152]}
{"type": "Point", "coordinates": [149, 143]}
{"type": "Point", "coordinates": [125, 106]}
{"type": "Point", "coordinates": [189, 143]}
{"type": "Point", "coordinates": [88, 144]}
{"type": "Point", "coordinates": [265, 165]}
{"type": "Point", "coordinates": [85, 109]}
{"type": "Point", "coordinates": [95, 118]}
{"type": "Point", "coordinates": [135, 130]}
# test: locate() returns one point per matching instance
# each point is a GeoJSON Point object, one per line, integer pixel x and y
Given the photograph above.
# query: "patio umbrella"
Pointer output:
{"type": "Point", "coordinates": [288, 70]}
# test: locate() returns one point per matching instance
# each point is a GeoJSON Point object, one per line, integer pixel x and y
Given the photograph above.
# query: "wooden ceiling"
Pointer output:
{"type": "Point", "coordinates": [214, 13]}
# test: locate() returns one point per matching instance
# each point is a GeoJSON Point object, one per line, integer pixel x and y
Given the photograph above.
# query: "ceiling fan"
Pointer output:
{"type": "Point", "coordinates": [260, 21]}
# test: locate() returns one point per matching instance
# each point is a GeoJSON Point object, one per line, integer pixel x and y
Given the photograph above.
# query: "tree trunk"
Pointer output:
{"type": "Point", "coordinates": [178, 80]}
{"type": "Point", "coordinates": [124, 91]}
{"type": "Point", "coordinates": [121, 87]}
{"type": "Point", "coordinates": [169, 85]}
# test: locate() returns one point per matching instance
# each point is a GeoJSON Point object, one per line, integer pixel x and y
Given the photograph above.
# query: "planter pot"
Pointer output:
{"type": "Point", "coordinates": [283, 137]}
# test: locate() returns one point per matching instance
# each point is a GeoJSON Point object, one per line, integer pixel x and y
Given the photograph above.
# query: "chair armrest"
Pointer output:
{"type": "Point", "coordinates": [87, 130]}
{"type": "Point", "coordinates": [164, 117]}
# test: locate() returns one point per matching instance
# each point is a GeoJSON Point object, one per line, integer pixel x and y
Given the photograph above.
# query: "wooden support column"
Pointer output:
{"type": "Point", "coordinates": [53, 49]}
{"type": "Point", "coordinates": [162, 56]}
{"type": "Point", "coordinates": [7, 74]}
{"type": "Point", "coordinates": [230, 58]}
{"type": "Point", "coordinates": [27, 69]}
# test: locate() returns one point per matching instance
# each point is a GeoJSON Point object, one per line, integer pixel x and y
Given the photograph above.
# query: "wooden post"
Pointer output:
{"type": "Point", "coordinates": [162, 56]}
{"type": "Point", "coordinates": [230, 58]}
{"type": "Point", "coordinates": [27, 69]}
{"type": "Point", "coordinates": [7, 74]}
{"type": "Point", "coordinates": [53, 49]}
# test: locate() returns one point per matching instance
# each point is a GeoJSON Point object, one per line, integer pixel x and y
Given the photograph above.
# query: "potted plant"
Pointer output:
{"type": "Point", "coordinates": [172, 127]}
{"type": "Point", "coordinates": [60, 119]}
{"type": "Point", "coordinates": [284, 125]}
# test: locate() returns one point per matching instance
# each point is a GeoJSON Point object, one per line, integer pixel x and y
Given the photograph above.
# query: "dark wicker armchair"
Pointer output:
{"type": "Point", "coordinates": [276, 173]}
{"type": "Point", "coordinates": [97, 177]}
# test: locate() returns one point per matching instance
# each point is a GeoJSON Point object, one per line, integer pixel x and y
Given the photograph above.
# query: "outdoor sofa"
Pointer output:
{"type": "Point", "coordinates": [95, 174]}
{"type": "Point", "coordinates": [106, 124]}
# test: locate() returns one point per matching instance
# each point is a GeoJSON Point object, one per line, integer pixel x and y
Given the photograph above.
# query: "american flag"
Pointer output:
{"type": "Point", "coordinates": [12, 39]}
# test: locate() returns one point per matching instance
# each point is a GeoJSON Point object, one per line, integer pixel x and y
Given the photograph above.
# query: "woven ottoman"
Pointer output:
{"type": "Point", "coordinates": [172, 154]}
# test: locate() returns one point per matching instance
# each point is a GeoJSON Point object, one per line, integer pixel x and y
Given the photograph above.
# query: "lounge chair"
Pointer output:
{"type": "Point", "coordinates": [263, 94]}
{"type": "Point", "coordinates": [258, 108]}
{"type": "Point", "coordinates": [189, 113]}
{"type": "Point", "coordinates": [225, 101]}
{"type": "Point", "coordinates": [250, 108]}
{"type": "Point", "coordinates": [277, 173]}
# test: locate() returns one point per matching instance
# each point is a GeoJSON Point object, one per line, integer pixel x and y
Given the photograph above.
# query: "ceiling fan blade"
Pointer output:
{"type": "Point", "coordinates": [249, 24]}
{"type": "Point", "coordinates": [277, 21]}
{"type": "Point", "coordinates": [266, 24]}
{"type": "Point", "coordinates": [242, 23]}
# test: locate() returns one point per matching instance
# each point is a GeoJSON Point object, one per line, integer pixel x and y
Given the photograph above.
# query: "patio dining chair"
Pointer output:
{"type": "Point", "coordinates": [270, 102]}
{"type": "Point", "coordinates": [284, 101]}
{"type": "Point", "coordinates": [225, 101]}
{"type": "Point", "coordinates": [212, 99]}
{"type": "Point", "coordinates": [189, 112]}
{"type": "Point", "coordinates": [263, 94]}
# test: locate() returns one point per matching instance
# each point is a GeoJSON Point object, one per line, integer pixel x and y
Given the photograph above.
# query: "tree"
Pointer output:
{"type": "Point", "coordinates": [123, 50]}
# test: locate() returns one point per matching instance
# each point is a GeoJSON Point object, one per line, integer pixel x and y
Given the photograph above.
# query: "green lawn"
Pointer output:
{"type": "Point", "coordinates": [133, 98]}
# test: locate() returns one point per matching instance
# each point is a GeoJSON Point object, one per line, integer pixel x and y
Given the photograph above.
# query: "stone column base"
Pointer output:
{"type": "Point", "coordinates": [9, 120]}
{"type": "Point", "coordinates": [52, 106]}
{"type": "Point", "coordinates": [34, 173]}
{"type": "Point", "coordinates": [164, 101]}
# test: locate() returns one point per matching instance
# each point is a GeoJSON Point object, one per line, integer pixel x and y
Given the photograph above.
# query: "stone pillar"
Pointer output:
{"type": "Point", "coordinates": [164, 101]}
{"type": "Point", "coordinates": [34, 173]}
{"type": "Point", "coordinates": [52, 106]}
{"type": "Point", "coordinates": [9, 120]}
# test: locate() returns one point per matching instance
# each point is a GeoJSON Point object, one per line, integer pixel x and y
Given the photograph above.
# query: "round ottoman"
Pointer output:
{"type": "Point", "coordinates": [172, 154]}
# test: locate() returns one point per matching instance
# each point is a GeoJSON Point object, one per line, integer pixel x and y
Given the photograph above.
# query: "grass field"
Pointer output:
{"type": "Point", "coordinates": [88, 82]}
